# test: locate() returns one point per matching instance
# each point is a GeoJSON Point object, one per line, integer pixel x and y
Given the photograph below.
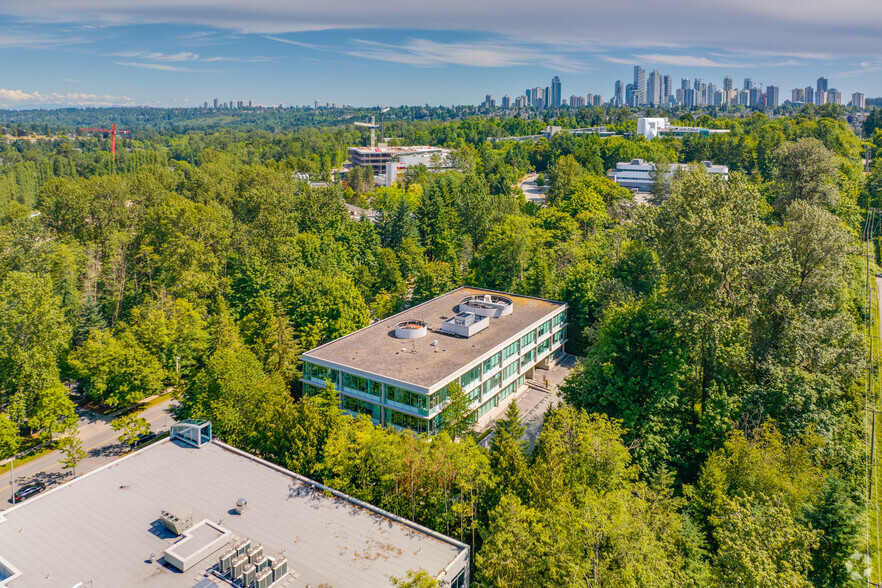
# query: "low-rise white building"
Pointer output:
{"type": "Point", "coordinates": [653, 127]}
{"type": "Point", "coordinates": [637, 173]}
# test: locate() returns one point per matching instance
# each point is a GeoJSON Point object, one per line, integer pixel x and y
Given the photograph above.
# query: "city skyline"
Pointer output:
{"type": "Point", "coordinates": [185, 52]}
{"type": "Point", "coordinates": [655, 88]}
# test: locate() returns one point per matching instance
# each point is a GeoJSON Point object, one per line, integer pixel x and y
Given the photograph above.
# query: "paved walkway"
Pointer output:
{"type": "Point", "coordinates": [540, 395]}
{"type": "Point", "coordinates": [532, 192]}
{"type": "Point", "coordinates": [99, 441]}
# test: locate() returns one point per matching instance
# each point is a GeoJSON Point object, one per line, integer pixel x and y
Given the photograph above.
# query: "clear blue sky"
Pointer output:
{"type": "Point", "coordinates": [183, 52]}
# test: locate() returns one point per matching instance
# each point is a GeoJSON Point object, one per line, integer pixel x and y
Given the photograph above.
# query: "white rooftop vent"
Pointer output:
{"type": "Point", "coordinates": [176, 519]}
{"type": "Point", "coordinates": [465, 324]}
{"type": "Point", "coordinates": [489, 305]}
{"type": "Point", "coordinates": [411, 329]}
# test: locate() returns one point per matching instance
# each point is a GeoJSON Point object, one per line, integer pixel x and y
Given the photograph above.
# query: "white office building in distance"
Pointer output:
{"type": "Point", "coordinates": [192, 512]}
{"type": "Point", "coordinates": [637, 173]}
{"type": "Point", "coordinates": [397, 370]}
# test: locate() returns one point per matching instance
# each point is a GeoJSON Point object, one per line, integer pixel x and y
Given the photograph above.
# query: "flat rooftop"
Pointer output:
{"type": "Point", "coordinates": [102, 527]}
{"type": "Point", "coordinates": [376, 350]}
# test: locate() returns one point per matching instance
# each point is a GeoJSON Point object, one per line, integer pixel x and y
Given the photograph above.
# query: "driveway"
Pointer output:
{"type": "Point", "coordinates": [532, 192]}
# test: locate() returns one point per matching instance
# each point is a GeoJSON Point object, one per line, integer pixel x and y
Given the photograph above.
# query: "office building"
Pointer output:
{"type": "Point", "coordinates": [756, 97]}
{"type": "Point", "coordinates": [797, 95]}
{"type": "Point", "coordinates": [640, 84]}
{"type": "Point", "coordinates": [689, 97]}
{"type": "Point", "coordinates": [727, 84]}
{"type": "Point", "coordinates": [772, 96]}
{"type": "Point", "coordinates": [822, 84]}
{"type": "Point", "coordinates": [619, 93]}
{"type": "Point", "coordinates": [653, 127]}
{"type": "Point", "coordinates": [820, 97]}
{"type": "Point", "coordinates": [684, 83]}
{"type": "Point", "coordinates": [654, 88]}
{"type": "Point", "coordinates": [859, 101]}
{"type": "Point", "coordinates": [189, 511]}
{"type": "Point", "coordinates": [637, 173]}
{"type": "Point", "coordinates": [397, 370]}
{"type": "Point", "coordinates": [667, 88]}
{"type": "Point", "coordinates": [834, 96]}
{"type": "Point", "coordinates": [710, 92]}
{"type": "Point", "coordinates": [378, 157]}
{"type": "Point", "coordinates": [744, 98]}
{"type": "Point", "coordinates": [748, 84]}
{"type": "Point", "coordinates": [809, 95]}
{"type": "Point", "coordinates": [555, 91]}
{"type": "Point", "coordinates": [215, 102]}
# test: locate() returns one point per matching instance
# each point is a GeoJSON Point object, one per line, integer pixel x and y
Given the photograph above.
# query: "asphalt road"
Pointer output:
{"type": "Point", "coordinates": [99, 441]}
{"type": "Point", "coordinates": [532, 192]}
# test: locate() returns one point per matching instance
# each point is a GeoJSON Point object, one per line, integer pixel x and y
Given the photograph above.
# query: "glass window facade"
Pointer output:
{"type": "Point", "coordinates": [544, 346]}
{"type": "Point", "coordinates": [492, 362]}
{"type": "Point", "coordinates": [511, 350]}
{"type": "Point", "coordinates": [407, 398]}
{"type": "Point", "coordinates": [361, 407]}
{"type": "Point", "coordinates": [508, 391]}
{"type": "Point", "coordinates": [528, 357]}
{"type": "Point", "coordinates": [492, 383]}
{"type": "Point", "coordinates": [399, 419]}
{"type": "Point", "coordinates": [559, 336]}
{"type": "Point", "coordinates": [528, 338]}
{"type": "Point", "coordinates": [543, 329]}
{"type": "Point", "coordinates": [510, 370]}
{"type": "Point", "coordinates": [319, 374]}
{"type": "Point", "coordinates": [364, 386]}
{"type": "Point", "coordinates": [559, 318]}
{"type": "Point", "coordinates": [470, 377]}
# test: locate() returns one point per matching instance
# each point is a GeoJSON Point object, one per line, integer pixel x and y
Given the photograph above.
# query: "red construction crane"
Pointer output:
{"type": "Point", "coordinates": [113, 132]}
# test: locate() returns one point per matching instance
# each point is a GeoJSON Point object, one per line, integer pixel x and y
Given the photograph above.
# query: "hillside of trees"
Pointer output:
{"type": "Point", "coordinates": [712, 436]}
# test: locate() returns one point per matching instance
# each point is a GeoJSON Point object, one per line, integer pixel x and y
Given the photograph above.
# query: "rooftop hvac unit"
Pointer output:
{"type": "Point", "coordinates": [241, 505]}
{"type": "Point", "coordinates": [176, 519]}
{"type": "Point", "coordinates": [260, 562]}
{"type": "Point", "coordinates": [249, 572]}
{"type": "Point", "coordinates": [225, 561]}
{"type": "Point", "coordinates": [263, 579]}
{"type": "Point", "coordinates": [242, 546]}
{"type": "Point", "coordinates": [236, 567]}
{"type": "Point", "coordinates": [280, 568]}
{"type": "Point", "coordinates": [255, 552]}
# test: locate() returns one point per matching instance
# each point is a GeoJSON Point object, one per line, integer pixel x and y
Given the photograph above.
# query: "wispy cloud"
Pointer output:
{"type": "Point", "coordinates": [10, 39]}
{"type": "Point", "coordinates": [728, 61]}
{"type": "Point", "coordinates": [682, 60]}
{"type": "Point", "coordinates": [185, 56]}
{"type": "Point", "coordinates": [156, 66]}
{"type": "Point", "coordinates": [20, 97]}
{"type": "Point", "coordinates": [427, 53]}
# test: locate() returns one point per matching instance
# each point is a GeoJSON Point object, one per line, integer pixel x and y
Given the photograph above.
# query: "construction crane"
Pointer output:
{"type": "Point", "coordinates": [113, 132]}
{"type": "Point", "coordinates": [373, 126]}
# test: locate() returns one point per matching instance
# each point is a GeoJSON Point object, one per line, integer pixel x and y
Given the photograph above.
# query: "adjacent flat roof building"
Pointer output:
{"type": "Point", "coordinates": [191, 512]}
{"type": "Point", "coordinates": [378, 157]}
{"type": "Point", "coordinates": [637, 173]}
{"type": "Point", "coordinates": [397, 370]}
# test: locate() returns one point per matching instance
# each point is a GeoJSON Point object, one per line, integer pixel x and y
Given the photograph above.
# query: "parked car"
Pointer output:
{"type": "Point", "coordinates": [144, 438]}
{"type": "Point", "coordinates": [28, 491]}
